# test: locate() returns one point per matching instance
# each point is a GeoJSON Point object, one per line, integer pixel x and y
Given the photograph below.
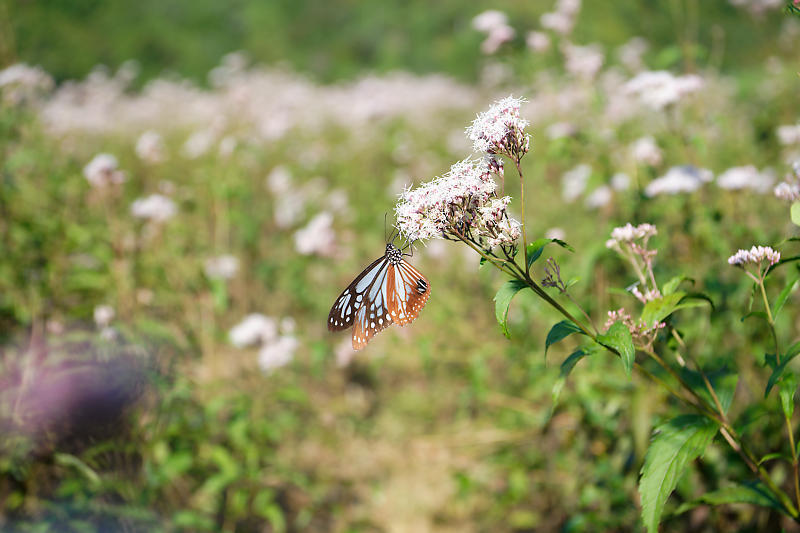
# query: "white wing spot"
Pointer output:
{"type": "Point", "coordinates": [372, 325]}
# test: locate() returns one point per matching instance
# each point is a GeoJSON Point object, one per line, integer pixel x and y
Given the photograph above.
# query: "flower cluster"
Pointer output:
{"type": "Point", "coordinates": [659, 89]}
{"type": "Point", "coordinates": [21, 83]}
{"type": "Point", "coordinates": [789, 189]}
{"type": "Point", "coordinates": [746, 177]}
{"type": "Point", "coordinates": [629, 233]}
{"type": "Point", "coordinates": [501, 130]}
{"type": "Point", "coordinates": [755, 256]}
{"type": "Point", "coordinates": [277, 342]}
{"type": "Point", "coordinates": [495, 25]}
{"type": "Point", "coordinates": [103, 171]}
{"type": "Point", "coordinates": [641, 332]}
{"type": "Point", "coordinates": [461, 204]}
{"type": "Point", "coordinates": [221, 267]}
{"type": "Point", "coordinates": [562, 19]}
{"type": "Point", "coordinates": [150, 147]}
{"type": "Point", "coordinates": [685, 178]}
{"type": "Point", "coordinates": [155, 208]}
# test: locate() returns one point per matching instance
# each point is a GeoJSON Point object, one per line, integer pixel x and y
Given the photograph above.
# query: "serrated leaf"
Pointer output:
{"type": "Point", "coordinates": [753, 493]}
{"type": "Point", "coordinates": [785, 293]}
{"type": "Point", "coordinates": [786, 390]}
{"type": "Point", "coordinates": [502, 301]}
{"type": "Point", "coordinates": [657, 310]}
{"type": "Point", "coordinates": [536, 248]}
{"type": "Point", "coordinates": [672, 285]}
{"type": "Point", "coordinates": [560, 331]}
{"type": "Point", "coordinates": [795, 213]}
{"type": "Point", "coordinates": [566, 367]}
{"type": "Point", "coordinates": [676, 443]}
{"type": "Point", "coordinates": [619, 338]}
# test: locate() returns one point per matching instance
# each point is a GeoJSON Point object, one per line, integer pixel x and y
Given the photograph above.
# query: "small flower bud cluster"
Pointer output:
{"type": "Point", "coordinates": [789, 189]}
{"type": "Point", "coordinates": [501, 130]}
{"type": "Point", "coordinates": [755, 255]}
{"type": "Point", "coordinates": [640, 331]}
{"type": "Point", "coordinates": [552, 276]}
{"type": "Point", "coordinates": [629, 233]}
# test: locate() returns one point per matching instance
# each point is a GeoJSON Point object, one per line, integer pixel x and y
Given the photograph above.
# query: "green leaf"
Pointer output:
{"type": "Point", "coordinates": [657, 310]}
{"type": "Point", "coordinates": [771, 456]}
{"type": "Point", "coordinates": [786, 390]}
{"type": "Point", "coordinates": [566, 367]}
{"type": "Point", "coordinates": [672, 285]}
{"type": "Point", "coordinates": [753, 493]}
{"type": "Point", "coordinates": [69, 460]}
{"type": "Point", "coordinates": [695, 299]}
{"type": "Point", "coordinates": [619, 338]}
{"type": "Point", "coordinates": [676, 443]}
{"type": "Point", "coordinates": [778, 369]}
{"type": "Point", "coordinates": [783, 261]}
{"type": "Point", "coordinates": [536, 248]}
{"type": "Point", "coordinates": [755, 314]}
{"type": "Point", "coordinates": [784, 295]}
{"type": "Point", "coordinates": [795, 213]}
{"type": "Point", "coordinates": [563, 329]}
{"type": "Point", "coordinates": [502, 301]}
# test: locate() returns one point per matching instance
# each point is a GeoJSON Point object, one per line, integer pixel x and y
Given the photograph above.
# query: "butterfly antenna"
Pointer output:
{"type": "Point", "coordinates": [385, 238]}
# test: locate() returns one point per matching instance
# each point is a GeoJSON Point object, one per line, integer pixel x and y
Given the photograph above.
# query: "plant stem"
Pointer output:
{"type": "Point", "coordinates": [522, 203]}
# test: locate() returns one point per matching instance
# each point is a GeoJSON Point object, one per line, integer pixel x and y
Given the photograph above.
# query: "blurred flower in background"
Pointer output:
{"type": "Point", "coordinates": [103, 171]}
{"type": "Point", "coordinates": [155, 208]}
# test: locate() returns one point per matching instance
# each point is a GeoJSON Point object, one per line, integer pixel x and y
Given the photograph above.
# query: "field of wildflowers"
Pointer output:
{"type": "Point", "coordinates": [606, 215]}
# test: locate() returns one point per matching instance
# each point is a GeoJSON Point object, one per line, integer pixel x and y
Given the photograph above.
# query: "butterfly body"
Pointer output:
{"type": "Point", "coordinates": [389, 290]}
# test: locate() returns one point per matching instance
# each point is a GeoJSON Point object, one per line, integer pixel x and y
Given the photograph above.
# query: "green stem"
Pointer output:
{"type": "Point", "coordinates": [522, 202]}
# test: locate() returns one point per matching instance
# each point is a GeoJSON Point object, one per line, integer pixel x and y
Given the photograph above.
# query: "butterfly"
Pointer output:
{"type": "Point", "coordinates": [389, 290]}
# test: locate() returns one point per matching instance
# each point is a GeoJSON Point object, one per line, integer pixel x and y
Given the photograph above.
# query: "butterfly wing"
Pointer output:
{"type": "Point", "coordinates": [362, 305]}
{"type": "Point", "coordinates": [408, 292]}
{"type": "Point", "coordinates": [343, 312]}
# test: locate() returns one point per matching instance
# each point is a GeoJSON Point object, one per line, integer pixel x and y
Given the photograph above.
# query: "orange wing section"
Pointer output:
{"type": "Point", "coordinates": [407, 292]}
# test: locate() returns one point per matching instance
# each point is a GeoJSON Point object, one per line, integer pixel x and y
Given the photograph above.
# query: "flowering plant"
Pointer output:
{"type": "Point", "coordinates": [464, 205]}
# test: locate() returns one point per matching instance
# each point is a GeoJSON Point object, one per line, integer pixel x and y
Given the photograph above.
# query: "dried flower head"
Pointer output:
{"type": "Point", "coordinates": [501, 130]}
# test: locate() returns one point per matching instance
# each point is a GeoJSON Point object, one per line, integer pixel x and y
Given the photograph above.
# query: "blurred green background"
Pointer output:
{"type": "Point", "coordinates": [126, 402]}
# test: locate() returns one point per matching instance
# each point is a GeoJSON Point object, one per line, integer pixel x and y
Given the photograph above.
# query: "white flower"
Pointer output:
{"type": "Point", "coordinates": [574, 181]}
{"type": "Point", "coordinates": [488, 20]}
{"type": "Point", "coordinates": [561, 23]}
{"type": "Point", "coordinates": [658, 89]}
{"type": "Point", "coordinates": [432, 208]}
{"type": "Point", "coordinates": [629, 233]}
{"type": "Point", "coordinates": [287, 325]}
{"type": "Point", "coordinates": [746, 177]}
{"type": "Point", "coordinates": [630, 53]}
{"type": "Point", "coordinates": [20, 83]}
{"type": "Point", "coordinates": [679, 179]}
{"type": "Point", "coordinates": [537, 41]}
{"type": "Point", "coordinates": [150, 147]}
{"type": "Point", "coordinates": [277, 354]}
{"type": "Point", "coordinates": [221, 267]}
{"type": "Point", "coordinates": [198, 143]}
{"type": "Point", "coordinates": [496, 38]}
{"type": "Point", "coordinates": [583, 61]}
{"type": "Point", "coordinates": [500, 129]}
{"type": "Point", "coordinates": [754, 255]}
{"type": "Point", "coordinates": [103, 315]}
{"type": "Point", "coordinates": [599, 197]}
{"type": "Point", "coordinates": [645, 150]}
{"type": "Point", "coordinates": [789, 134]}
{"type": "Point", "coordinates": [555, 233]}
{"type": "Point", "coordinates": [787, 191]}
{"type": "Point", "coordinates": [102, 171]}
{"type": "Point", "coordinates": [156, 208]}
{"type": "Point", "coordinates": [279, 181]}
{"type": "Point", "coordinates": [317, 237]}
{"type": "Point", "coordinates": [620, 181]}
{"type": "Point", "coordinates": [255, 328]}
